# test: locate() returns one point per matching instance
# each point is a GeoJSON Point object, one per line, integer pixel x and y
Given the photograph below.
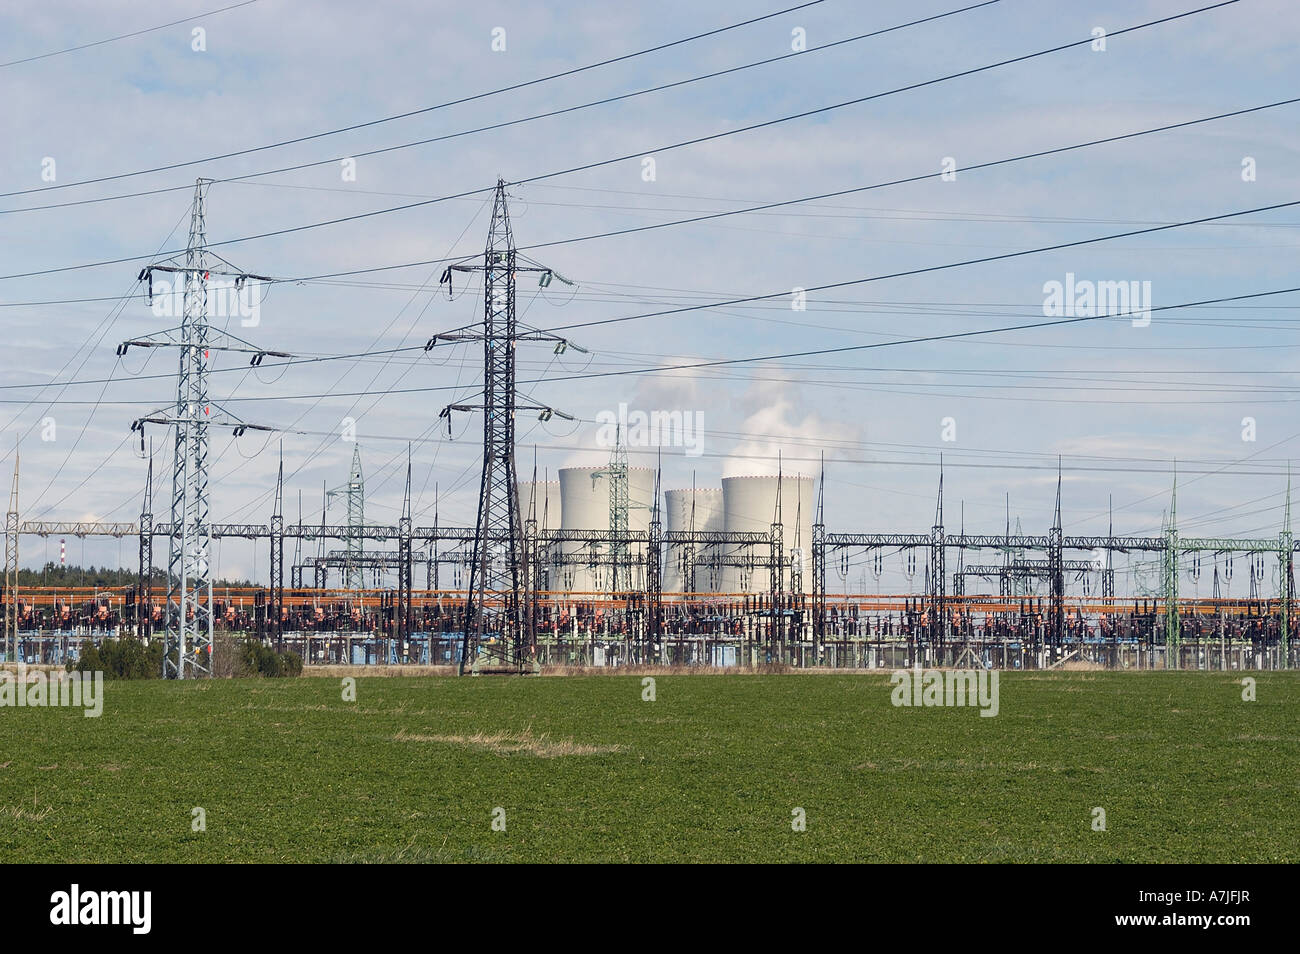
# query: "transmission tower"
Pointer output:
{"type": "Point", "coordinates": [144, 598]}
{"type": "Point", "coordinates": [188, 646]}
{"type": "Point", "coordinates": [497, 635]}
{"type": "Point", "coordinates": [619, 505]}
{"type": "Point", "coordinates": [405, 609]}
{"type": "Point", "coordinates": [354, 493]}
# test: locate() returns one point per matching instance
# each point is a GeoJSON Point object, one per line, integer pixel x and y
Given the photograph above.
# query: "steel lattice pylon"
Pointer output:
{"type": "Point", "coordinates": [620, 559]}
{"type": "Point", "coordinates": [497, 631]}
{"type": "Point", "coordinates": [497, 572]}
{"type": "Point", "coordinates": [354, 573]}
{"type": "Point", "coordinates": [620, 563]}
{"type": "Point", "coordinates": [188, 645]}
{"type": "Point", "coordinates": [144, 598]}
{"type": "Point", "coordinates": [189, 580]}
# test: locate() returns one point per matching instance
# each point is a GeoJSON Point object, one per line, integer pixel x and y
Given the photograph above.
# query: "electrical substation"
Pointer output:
{"type": "Point", "coordinates": [605, 567]}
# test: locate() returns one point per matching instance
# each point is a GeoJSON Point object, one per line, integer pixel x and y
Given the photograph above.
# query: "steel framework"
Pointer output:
{"type": "Point", "coordinates": [497, 636]}
{"type": "Point", "coordinates": [189, 580]}
{"type": "Point", "coordinates": [354, 494]}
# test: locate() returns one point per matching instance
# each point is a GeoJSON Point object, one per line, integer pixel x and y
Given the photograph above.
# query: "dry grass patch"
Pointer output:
{"type": "Point", "coordinates": [19, 813]}
{"type": "Point", "coordinates": [508, 743]}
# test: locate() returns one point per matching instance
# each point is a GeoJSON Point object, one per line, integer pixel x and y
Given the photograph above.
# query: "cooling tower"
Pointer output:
{"type": "Point", "coordinates": [708, 516]}
{"type": "Point", "coordinates": [749, 506]}
{"type": "Point", "coordinates": [584, 505]}
{"type": "Point", "coordinates": [547, 502]}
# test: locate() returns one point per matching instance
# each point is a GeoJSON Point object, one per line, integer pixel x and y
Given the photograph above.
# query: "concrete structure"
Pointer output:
{"type": "Point", "coordinates": [548, 502]}
{"type": "Point", "coordinates": [749, 506]}
{"type": "Point", "coordinates": [708, 516]}
{"type": "Point", "coordinates": [584, 505]}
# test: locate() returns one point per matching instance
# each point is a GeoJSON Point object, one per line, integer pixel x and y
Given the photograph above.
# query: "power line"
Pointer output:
{"type": "Point", "coordinates": [418, 112]}
{"type": "Point", "coordinates": [685, 309]}
{"type": "Point", "coordinates": [719, 362]}
{"type": "Point", "coordinates": [244, 179]}
{"type": "Point", "coordinates": [938, 268]}
{"type": "Point", "coordinates": [121, 36]}
{"type": "Point", "coordinates": [604, 162]}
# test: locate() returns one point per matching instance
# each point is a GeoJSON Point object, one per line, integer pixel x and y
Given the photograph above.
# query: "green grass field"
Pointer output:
{"type": "Point", "coordinates": [285, 770]}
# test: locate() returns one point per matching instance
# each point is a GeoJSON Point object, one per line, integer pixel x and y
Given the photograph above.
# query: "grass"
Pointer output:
{"type": "Point", "coordinates": [711, 771]}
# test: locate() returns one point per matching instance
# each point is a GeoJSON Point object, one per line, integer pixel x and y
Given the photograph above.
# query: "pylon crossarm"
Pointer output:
{"type": "Point", "coordinates": [216, 417]}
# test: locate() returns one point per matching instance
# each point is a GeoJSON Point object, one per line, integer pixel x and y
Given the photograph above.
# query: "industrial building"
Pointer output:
{"type": "Point", "coordinates": [587, 503]}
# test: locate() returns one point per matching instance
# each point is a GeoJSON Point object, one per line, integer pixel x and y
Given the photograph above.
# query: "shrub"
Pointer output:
{"type": "Point", "coordinates": [259, 659]}
{"type": "Point", "coordinates": [292, 663]}
{"type": "Point", "coordinates": [122, 659]}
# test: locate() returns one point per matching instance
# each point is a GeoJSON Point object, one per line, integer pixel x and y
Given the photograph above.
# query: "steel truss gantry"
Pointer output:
{"type": "Point", "coordinates": [541, 547]}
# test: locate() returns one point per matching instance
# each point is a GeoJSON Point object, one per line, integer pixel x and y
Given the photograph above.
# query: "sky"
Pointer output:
{"type": "Point", "coordinates": [1119, 402]}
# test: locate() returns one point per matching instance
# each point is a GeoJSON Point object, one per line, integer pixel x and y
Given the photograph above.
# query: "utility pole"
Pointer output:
{"type": "Point", "coordinates": [189, 581]}
{"type": "Point", "coordinates": [496, 634]}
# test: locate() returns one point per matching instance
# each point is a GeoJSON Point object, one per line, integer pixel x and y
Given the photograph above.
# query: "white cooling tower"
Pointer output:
{"type": "Point", "coordinates": [749, 506]}
{"type": "Point", "coordinates": [584, 505]}
{"type": "Point", "coordinates": [547, 502]}
{"type": "Point", "coordinates": [708, 515]}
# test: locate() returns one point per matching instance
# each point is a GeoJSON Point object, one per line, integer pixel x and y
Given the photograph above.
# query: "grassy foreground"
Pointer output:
{"type": "Point", "coordinates": [585, 770]}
